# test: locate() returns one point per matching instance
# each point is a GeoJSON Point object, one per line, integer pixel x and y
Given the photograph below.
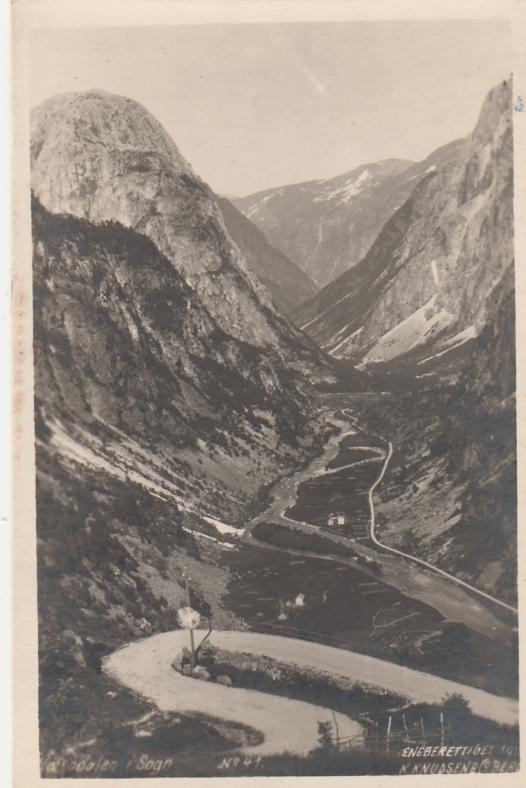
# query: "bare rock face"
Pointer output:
{"type": "Point", "coordinates": [450, 497]}
{"type": "Point", "coordinates": [135, 379]}
{"type": "Point", "coordinates": [105, 158]}
{"type": "Point", "coordinates": [427, 283]}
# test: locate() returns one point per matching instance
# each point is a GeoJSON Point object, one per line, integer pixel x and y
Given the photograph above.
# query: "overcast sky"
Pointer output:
{"type": "Point", "coordinates": [254, 106]}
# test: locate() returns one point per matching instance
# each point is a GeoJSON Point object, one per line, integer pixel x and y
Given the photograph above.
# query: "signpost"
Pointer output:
{"type": "Point", "coordinates": [188, 618]}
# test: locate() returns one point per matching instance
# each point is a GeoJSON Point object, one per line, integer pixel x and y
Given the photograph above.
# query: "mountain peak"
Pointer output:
{"type": "Point", "coordinates": [97, 117]}
{"type": "Point", "coordinates": [103, 157]}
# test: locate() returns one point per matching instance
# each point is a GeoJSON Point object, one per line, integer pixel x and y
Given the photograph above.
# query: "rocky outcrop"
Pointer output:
{"type": "Point", "coordinates": [104, 158]}
{"type": "Point", "coordinates": [429, 279]}
{"type": "Point", "coordinates": [431, 309]}
{"type": "Point", "coordinates": [482, 542]}
{"type": "Point", "coordinates": [450, 493]}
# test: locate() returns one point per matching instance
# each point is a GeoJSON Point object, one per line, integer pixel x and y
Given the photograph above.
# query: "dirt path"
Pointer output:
{"type": "Point", "coordinates": [287, 725]}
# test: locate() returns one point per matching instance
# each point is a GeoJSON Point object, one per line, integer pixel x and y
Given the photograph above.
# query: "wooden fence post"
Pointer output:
{"type": "Point", "coordinates": [337, 731]}
{"type": "Point", "coordinates": [405, 727]}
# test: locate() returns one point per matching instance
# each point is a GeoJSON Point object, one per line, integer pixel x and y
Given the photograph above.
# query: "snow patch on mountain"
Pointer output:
{"type": "Point", "coordinates": [257, 205]}
{"type": "Point", "coordinates": [417, 328]}
{"type": "Point", "coordinates": [350, 189]}
{"type": "Point", "coordinates": [435, 272]}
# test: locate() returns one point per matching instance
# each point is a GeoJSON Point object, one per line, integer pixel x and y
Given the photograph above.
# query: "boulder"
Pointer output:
{"type": "Point", "coordinates": [226, 681]}
{"type": "Point", "coordinates": [186, 670]}
{"type": "Point", "coordinates": [206, 654]}
{"type": "Point", "coordinates": [182, 658]}
{"type": "Point", "coordinates": [200, 673]}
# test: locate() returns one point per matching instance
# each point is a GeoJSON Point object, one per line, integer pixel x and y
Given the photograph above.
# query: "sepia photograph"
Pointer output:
{"type": "Point", "coordinates": [274, 364]}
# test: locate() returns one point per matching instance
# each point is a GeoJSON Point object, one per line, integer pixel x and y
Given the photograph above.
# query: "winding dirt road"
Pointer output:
{"type": "Point", "coordinates": [287, 725]}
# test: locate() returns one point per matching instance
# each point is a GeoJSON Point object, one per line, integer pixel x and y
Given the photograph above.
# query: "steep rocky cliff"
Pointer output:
{"type": "Point", "coordinates": [327, 227]}
{"type": "Point", "coordinates": [155, 430]}
{"type": "Point", "coordinates": [425, 285]}
{"type": "Point", "coordinates": [429, 312]}
{"type": "Point", "coordinates": [105, 158]}
{"type": "Point", "coordinates": [482, 542]}
{"type": "Point", "coordinates": [287, 284]}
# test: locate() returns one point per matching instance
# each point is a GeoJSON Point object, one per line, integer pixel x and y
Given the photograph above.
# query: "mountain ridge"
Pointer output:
{"type": "Point", "coordinates": [105, 161]}
{"type": "Point", "coordinates": [426, 279]}
{"type": "Point", "coordinates": [327, 226]}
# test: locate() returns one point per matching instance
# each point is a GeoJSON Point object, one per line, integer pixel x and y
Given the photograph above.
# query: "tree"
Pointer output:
{"type": "Point", "coordinates": [457, 712]}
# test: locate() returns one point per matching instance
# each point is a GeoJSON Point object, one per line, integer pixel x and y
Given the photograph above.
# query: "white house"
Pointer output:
{"type": "Point", "coordinates": [336, 518]}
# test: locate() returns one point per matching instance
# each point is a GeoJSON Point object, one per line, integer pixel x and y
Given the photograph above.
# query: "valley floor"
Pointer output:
{"type": "Point", "coordinates": [423, 583]}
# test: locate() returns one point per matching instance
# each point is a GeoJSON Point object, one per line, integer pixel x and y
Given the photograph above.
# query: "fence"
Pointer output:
{"type": "Point", "coordinates": [413, 735]}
